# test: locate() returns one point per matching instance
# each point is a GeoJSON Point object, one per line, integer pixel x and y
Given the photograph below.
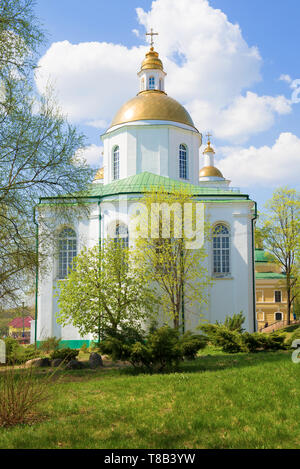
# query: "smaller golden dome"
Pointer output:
{"type": "Point", "coordinates": [152, 61]}
{"type": "Point", "coordinates": [99, 174]}
{"type": "Point", "coordinates": [209, 149]}
{"type": "Point", "coordinates": [210, 171]}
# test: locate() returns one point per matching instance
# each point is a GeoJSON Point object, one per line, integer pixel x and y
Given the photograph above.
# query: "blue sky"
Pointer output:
{"type": "Point", "coordinates": [242, 99]}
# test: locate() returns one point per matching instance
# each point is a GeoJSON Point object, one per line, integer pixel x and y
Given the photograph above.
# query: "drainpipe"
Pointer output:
{"type": "Point", "coordinates": [36, 273]}
{"type": "Point", "coordinates": [99, 223]}
{"type": "Point", "coordinates": [253, 265]}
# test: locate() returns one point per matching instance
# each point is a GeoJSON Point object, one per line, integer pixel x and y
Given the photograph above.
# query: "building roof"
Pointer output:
{"type": "Point", "coordinates": [147, 182]}
{"type": "Point", "coordinates": [269, 275]}
{"type": "Point", "coordinates": [17, 323]}
{"type": "Point", "coordinates": [261, 255]}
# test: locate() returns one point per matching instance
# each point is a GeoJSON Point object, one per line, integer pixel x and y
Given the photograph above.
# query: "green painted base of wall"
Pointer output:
{"type": "Point", "coordinates": [74, 344]}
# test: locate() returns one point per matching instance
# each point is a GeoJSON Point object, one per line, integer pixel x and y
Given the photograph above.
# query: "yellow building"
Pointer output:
{"type": "Point", "coordinates": [271, 298]}
{"type": "Point", "coordinates": [19, 328]}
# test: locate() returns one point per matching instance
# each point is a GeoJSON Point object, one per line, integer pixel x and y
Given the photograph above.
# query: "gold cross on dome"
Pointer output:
{"type": "Point", "coordinates": [151, 34]}
{"type": "Point", "coordinates": [208, 135]}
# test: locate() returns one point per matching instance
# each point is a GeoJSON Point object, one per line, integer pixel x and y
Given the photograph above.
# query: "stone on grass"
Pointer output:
{"type": "Point", "coordinates": [56, 362]}
{"type": "Point", "coordinates": [74, 365]}
{"type": "Point", "coordinates": [95, 360]}
{"type": "Point", "coordinates": [38, 362]}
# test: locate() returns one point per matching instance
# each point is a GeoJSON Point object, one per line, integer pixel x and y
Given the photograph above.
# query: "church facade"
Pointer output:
{"type": "Point", "coordinates": [152, 143]}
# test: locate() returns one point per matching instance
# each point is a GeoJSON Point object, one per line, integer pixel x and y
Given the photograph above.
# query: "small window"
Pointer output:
{"type": "Point", "coordinates": [116, 163]}
{"type": "Point", "coordinates": [277, 296]}
{"type": "Point", "coordinates": [221, 265]}
{"type": "Point", "coordinates": [160, 84]}
{"type": "Point", "coordinates": [278, 316]}
{"type": "Point", "coordinates": [183, 168]}
{"type": "Point", "coordinates": [67, 251]}
{"type": "Point", "coordinates": [142, 84]}
{"type": "Point", "coordinates": [151, 83]}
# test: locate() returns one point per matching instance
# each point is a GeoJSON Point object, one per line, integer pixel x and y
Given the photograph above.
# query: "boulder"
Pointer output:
{"type": "Point", "coordinates": [95, 360]}
{"type": "Point", "coordinates": [56, 362]}
{"type": "Point", "coordinates": [38, 362]}
{"type": "Point", "coordinates": [74, 365]}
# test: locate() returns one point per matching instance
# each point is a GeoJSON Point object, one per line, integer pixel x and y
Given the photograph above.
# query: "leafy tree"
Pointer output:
{"type": "Point", "coordinates": [37, 147]}
{"type": "Point", "coordinates": [104, 291]}
{"type": "Point", "coordinates": [176, 272]}
{"type": "Point", "coordinates": [20, 35]}
{"type": "Point", "coordinates": [281, 233]}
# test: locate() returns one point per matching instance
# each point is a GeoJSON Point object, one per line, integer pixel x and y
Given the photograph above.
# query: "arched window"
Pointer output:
{"type": "Point", "coordinates": [142, 84]}
{"type": "Point", "coordinates": [221, 261]}
{"type": "Point", "coordinates": [116, 163]}
{"type": "Point", "coordinates": [67, 251]}
{"type": "Point", "coordinates": [278, 316]}
{"type": "Point", "coordinates": [122, 235]}
{"type": "Point", "coordinates": [183, 166]}
{"type": "Point", "coordinates": [160, 84]}
{"type": "Point", "coordinates": [151, 83]}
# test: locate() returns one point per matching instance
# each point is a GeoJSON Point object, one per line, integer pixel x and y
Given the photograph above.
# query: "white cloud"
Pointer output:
{"type": "Point", "coordinates": [91, 79]}
{"type": "Point", "coordinates": [276, 165]}
{"type": "Point", "coordinates": [98, 124]}
{"type": "Point", "coordinates": [210, 68]}
{"type": "Point", "coordinates": [286, 78]}
{"type": "Point", "coordinates": [92, 154]}
{"type": "Point", "coordinates": [217, 62]}
{"type": "Point", "coordinates": [245, 116]}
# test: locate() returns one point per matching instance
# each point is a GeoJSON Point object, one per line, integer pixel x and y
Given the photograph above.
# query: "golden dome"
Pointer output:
{"type": "Point", "coordinates": [152, 105]}
{"type": "Point", "coordinates": [209, 149]}
{"type": "Point", "coordinates": [99, 174]}
{"type": "Point", "coordinates": [210, 171]}
{"type": "Point", "coordinates": [152, 61]}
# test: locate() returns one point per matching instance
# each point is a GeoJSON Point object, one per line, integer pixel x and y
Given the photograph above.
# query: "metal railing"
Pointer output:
{"type": "Point", "coordinates": [275, 326]}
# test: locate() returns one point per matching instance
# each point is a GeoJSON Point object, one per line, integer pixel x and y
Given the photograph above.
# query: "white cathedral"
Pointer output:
{"type": "Point", "coordinates": [152, 142]}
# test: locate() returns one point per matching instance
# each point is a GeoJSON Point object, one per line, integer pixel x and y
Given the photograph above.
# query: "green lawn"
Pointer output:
{"type": "Point", "coordinates": [218, 401]}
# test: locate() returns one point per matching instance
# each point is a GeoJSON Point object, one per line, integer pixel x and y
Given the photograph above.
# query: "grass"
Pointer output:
{"type": "Point", "coordinates": [218, 401]}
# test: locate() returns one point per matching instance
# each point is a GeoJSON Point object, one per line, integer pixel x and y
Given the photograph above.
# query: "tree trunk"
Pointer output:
{"type": "Point", "coordinates": [288, 305]}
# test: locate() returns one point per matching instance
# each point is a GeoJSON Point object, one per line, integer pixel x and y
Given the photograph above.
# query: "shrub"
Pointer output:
{"type": "Point", "coordinates": [164, 348]}
{"type": "Point", "coordinates": [18, 354]}
{"type": "Point", "coordinates": [65, 354]}
{"type": "Point", "coordinates": [160, 349]}
{"type": "Point", "coordinates": [20, 394]}
{"type": "Point", "coordinates": [12, 349]}
{"type": "Point", "coordinates": [49, 345]}
{"type": "Point", "coordinates": [190, 344]}
{"type": "Point", "coordinates": [230, 341]}
{"type": "Point", "coordinates": [295, 335]}
{"type": "Point", "coordinates": [254, 342]}
{"type": "Point", "coordinates": [276, 341]}
{"type": "Point", "coordinates": [84, 348]}
{"type": "Point", "coordinates": [220, 336]}
{"type": "Point", "coordinates": [235, 322]}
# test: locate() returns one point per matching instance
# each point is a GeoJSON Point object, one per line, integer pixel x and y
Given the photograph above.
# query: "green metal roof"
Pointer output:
{"type": "Point", "coordinates": [269, 275]}
{"type": "Point", "coordinates": [261, 255]}
{"type": "Point", "coordinates": [147, 182]}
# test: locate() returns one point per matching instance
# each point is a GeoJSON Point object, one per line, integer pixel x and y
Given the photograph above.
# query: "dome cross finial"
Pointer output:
{"type": "Point", "coordinates": [151, 34]}
{"type": "Point", "coordinates": [208, 135]}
